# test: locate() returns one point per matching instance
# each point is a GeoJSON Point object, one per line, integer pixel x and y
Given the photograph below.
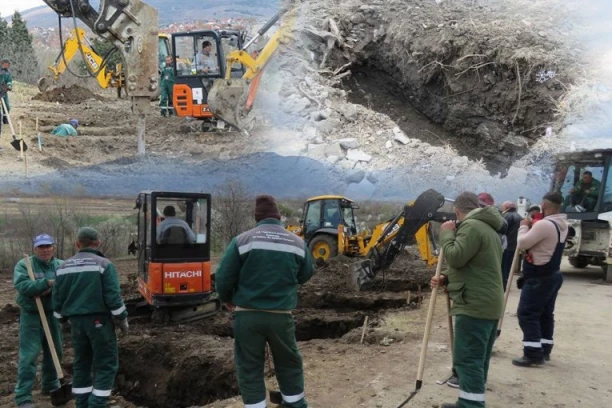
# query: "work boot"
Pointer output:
{"type": "Point", "coordinates": [453, 381]}
{"type": "Point", "coordinates": [448, 405]}
{"type": "Point", "coordinates": [26, 405]}
{"type": "Point", "coordinates": [527, 362]}
{"type": "Point", "coordinates": [546, 357]}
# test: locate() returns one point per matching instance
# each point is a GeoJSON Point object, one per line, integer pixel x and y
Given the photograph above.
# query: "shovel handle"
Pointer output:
{"type": "Point", "coordinates": [430, 312]}
{"type": "Point", "coordinates": [508, 286]}
{"type": "Point", "coordinates": [451, 330]}
{"type": "Point", "coordinates": [8, 117]}
{"type": "Point", "coordinates": [45, 324]}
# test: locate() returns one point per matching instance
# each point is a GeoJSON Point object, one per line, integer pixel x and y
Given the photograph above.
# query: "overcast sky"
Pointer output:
{"type": "Point", "coordinates": [8, 7]}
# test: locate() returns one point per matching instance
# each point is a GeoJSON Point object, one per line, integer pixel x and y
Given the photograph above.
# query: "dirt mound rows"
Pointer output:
{"type": "Point", "coordinates": [72, 94]}
{"type": "Point", "coordinates": [9, 314]}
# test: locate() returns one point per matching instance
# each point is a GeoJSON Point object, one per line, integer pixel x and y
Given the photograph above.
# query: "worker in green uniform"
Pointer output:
{"type": "Point", "coordinates": [31, 334]}
{"type": "Point", "coordinates": [258, 278]}
{"type": "Point", "coordinates": [6, 85]}
{"type": "Point", "coordinates": [472, 250]}
{"type": "Point", "coordinates": [167, 82]}
{"type": "Point", "coordinates": [87, 293]}
{"type": "Point", "coordinates": [66, 129]}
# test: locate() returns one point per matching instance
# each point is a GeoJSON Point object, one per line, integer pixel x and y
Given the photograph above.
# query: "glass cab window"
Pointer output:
{"type": "Point", "coordinates": [312, 220]}
{"type": "Point", "coordinates": [164, 51]}
{"type": "Point", "coordinates": [199, 55]}
{"type": "Point", "coordinates": [580, 185]}
{"type": "Point", "coordinates": [332, 217]}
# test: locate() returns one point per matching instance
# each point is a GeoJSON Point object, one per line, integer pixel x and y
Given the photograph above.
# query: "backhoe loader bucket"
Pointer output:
{"type": "Point", "coordinates": [360, 272]}
{"type": "Point", "coordinates": [227, 101]}
{"type": "Point", "coordinates": [43, 84]}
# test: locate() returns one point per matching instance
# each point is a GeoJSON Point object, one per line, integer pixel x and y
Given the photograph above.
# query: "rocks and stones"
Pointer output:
{"type": "Point", "coordinates": [358, 155]}
{"type": "Point", "coordinates": [355, 176]}
{"type": "Point", "coordinates": [348, 143]}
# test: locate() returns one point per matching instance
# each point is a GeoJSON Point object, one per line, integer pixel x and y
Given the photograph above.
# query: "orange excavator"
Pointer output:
{"type": "Point", "coordinates": [173, 251]}
{"type": "Point", "coordinates": [220, 84]}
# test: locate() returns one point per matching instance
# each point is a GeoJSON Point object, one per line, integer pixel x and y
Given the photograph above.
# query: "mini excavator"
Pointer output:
{"type": "Point", "coordinates": [329, 228]}
{"type": "Point", "coordinates": [174, 274]}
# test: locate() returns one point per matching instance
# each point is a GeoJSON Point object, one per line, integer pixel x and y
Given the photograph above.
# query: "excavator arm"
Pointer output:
{"type": "Point", "coordinates": [131, 25]}
{"type": "Point", "coordinates": [70, 49]}
{"type": "Point", "coordinates": [230, 99]}
{"type": "Point", "coordinates": [414, 222]}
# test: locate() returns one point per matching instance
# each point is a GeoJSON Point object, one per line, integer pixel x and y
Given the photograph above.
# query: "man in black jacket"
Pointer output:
{"type": "Point", "coordinates": [513, 219]}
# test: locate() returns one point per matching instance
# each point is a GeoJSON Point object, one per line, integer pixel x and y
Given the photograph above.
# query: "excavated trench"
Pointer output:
{"type": "Point", "coordinates": [193, 364]}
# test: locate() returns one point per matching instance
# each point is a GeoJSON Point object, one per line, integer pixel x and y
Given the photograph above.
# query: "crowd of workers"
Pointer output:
{"type": "Point", "coordinates": [258, 278]}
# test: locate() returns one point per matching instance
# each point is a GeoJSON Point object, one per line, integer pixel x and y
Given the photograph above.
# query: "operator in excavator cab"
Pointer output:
{"type": "Point", "coordinates": [166, 228]}
{"type": "Point", "coordinates": [583, 197]}
{"type": "Point", "coordinates": [205, 60]}
{"type": "Point", "coordinates": [6, 85]}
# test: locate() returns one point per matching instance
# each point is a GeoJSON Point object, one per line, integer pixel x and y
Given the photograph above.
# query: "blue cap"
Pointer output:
{"type": "Point", "coordinates": [43, 239]}
{"type": "Point", "coordinates": [74, 122]}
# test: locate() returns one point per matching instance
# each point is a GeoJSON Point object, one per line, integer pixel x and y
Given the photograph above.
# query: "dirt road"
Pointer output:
{"type": "Point", "coordinates": [347, 376]}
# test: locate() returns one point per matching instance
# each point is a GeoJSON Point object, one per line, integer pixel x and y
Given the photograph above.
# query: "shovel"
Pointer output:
{"type": "Point", "coordinates": [451, 332]}
{"type": "Point", "coordinates": [508, 286]}
{"type": "Point", "coordinates": [63, 394]}
{"type": "Point", "coordinates": [18, 144]}
{"type": "Point", "coordinates": [430, 313]}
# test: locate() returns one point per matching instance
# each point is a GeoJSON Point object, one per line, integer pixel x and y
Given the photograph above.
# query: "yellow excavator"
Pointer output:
{"type": "Point", "coordinates": [221, 83]}
{"type": "Point", "coordinates": [329, 228]}
{"type": "Point", "coordinates": [107, 77]}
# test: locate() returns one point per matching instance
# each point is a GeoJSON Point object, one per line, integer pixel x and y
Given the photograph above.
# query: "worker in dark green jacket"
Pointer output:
{"type": "Point", "coordinates": [166, 85]}
{"type": "Point", "coordinates": [87, 293]}
{"type": "Point", "coordinates": [6, 85]}
{"type": "Point", "coordinates": [31, 335]}
{"type": "Point", "coordinates": [258, 278]}
{"type": "Point", "coordinates": [472, 250]}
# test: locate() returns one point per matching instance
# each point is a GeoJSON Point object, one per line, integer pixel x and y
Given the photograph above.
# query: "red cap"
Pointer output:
{"type": "Point", "coordinates": [486, 199]}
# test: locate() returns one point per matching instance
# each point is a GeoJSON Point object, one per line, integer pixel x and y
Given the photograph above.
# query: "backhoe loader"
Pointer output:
{"type": "Point", "coordinates": [107, 77]}
{"type": "Point", "coordinates": [228, 92]}
{"type": "Point", "coordinates": [329, 228]}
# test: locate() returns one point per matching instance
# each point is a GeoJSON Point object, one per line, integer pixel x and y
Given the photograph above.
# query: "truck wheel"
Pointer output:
{"type": "Point", "coordinates": [579, 261]}
{"type": "Point", "coordinates": [323, 247]}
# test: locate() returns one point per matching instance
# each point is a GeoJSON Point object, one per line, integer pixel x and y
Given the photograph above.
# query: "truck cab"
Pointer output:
{"type": "Point", "coordinates": [584, 178]}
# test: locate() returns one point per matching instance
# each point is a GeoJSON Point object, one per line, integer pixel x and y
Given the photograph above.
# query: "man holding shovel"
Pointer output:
{"type": "Point", "coordinates": [472, 250]}
{"type": "Point", "coordinates": [31, 336]}
{"type": "Point", "coordinates": [6, 85]}
{"type": "Point", "coordinates": [87, 293]}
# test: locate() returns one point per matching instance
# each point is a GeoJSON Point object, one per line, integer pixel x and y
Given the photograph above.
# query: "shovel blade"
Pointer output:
{"type": "Point", "coordinates": [61, 395]}
{"type": "Point", "coordinates": [16, 143]}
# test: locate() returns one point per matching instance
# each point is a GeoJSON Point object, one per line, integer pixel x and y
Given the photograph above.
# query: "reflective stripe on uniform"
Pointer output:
{"type": "Point", "coordinates": [534, 344]}
{"type": "Point", "coordinates": [546, 341]}
{"type": "Point", "coordinates": [261, 404]}
{"type": "Point", "coordinates": [83, 390]}
{"type": "Point", "coordinates": [101, 393]}
{"type": "Point", "coordinates": [471, 396]}
{"type": "Point", "coordinates": [118, 311]}
{"type": "Point", "coordinates": [78, 269]}
{"type": "Point", "coordinates": [271, 246]}
{"type": "Point", "coordinates": [292, 398]}
{"type": "Point", "coordinates": [39, 275]}
{"type": "Point", "coordinates": [57, 315]}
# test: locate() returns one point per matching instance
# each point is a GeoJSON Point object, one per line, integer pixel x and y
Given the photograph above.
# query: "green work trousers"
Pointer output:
{"type": "Point", "coordinates": [252, 330]}
{"type": "Point", "coordinates": [474, 339]}
{"type": "Point", "coordinates": [95, 351]}
{"type": "Point", "coordinates": [165, 98]}
{"type": "Point", "coordinates": [31, 340]}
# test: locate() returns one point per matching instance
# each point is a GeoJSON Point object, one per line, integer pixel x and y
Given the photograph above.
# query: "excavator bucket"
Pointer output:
{"type": "Point", "coordinates": [360, 272]}
{"type": "Point", "coordinates": [227, 101]}
{"type": "Point", "coordinates": [43, 84]}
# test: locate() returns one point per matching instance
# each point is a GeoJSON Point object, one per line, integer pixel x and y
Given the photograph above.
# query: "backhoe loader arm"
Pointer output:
{"type": "Point", "coordinates": [71, 48]}
{"type": "Point", "coordinates": [131, 25]}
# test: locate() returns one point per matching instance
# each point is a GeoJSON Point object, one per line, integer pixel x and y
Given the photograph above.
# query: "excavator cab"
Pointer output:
{"type": "Point", "coordinates": [173, 250]}
{"type": "Point", "coordinates": [200, 59]}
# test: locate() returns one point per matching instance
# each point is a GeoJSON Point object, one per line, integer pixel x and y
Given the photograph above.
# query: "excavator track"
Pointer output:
{"type": "Point", "coordinates": [139, 309]}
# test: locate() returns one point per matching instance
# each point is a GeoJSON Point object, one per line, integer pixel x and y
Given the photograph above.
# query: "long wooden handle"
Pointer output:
{"type": "Point", "coordinates": [515, 263]}
{"type": "Point", "coordinates": [43, 319]}
{"type": "Point", "coordinates": [451, 330]}
{"type": "Point", "coordinates": [430, 313]}
{"type": "Point", "coordinates": [8, 117]}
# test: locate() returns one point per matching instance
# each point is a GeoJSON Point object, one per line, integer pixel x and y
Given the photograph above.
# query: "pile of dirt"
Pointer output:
{"type": "Point", "coordinates": [450, 82]}
{"type": "Point", "coordinates": [68, 94]}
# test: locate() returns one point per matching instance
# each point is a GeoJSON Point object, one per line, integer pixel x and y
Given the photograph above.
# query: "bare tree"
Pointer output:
{"type": "Point", "coordinates": [233, 209]}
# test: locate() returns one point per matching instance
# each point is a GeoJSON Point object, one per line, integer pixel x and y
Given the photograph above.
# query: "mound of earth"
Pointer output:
{"type": "Point", "coordinates": [72, 94]}
{"type": "Point", "coordinates": [410, 81]}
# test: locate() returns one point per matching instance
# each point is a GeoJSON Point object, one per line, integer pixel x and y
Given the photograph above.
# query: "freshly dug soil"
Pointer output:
{"type": "Point", "coordinates": [72, 94]}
